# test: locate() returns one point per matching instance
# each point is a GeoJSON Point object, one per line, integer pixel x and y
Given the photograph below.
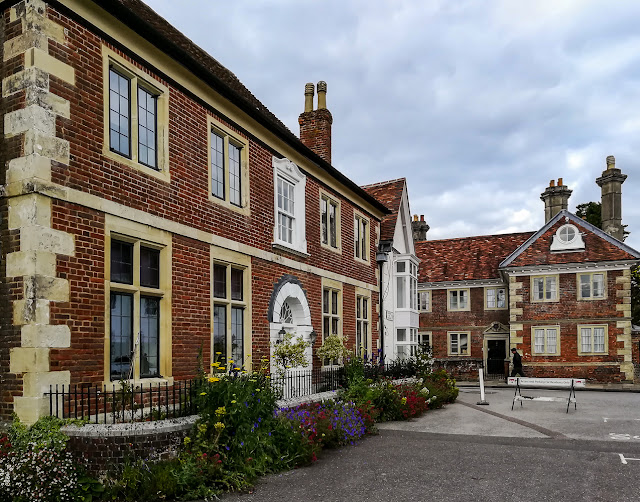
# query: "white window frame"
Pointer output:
{"type": "Point", "coordinates": [592, 328]}
{"type": "Point", "coordinates": [363, 322]}
{"type": "Point", "coordinates": [424, 301]}
{"type": "Point", "coordinates": [409, 280]}
{"type": "Point", "coordinates": [545, 351]}
{"type": "Point", "coordinates": [495, 290]}
{"type": "Point", "coordinates": [328, 315]}
{"type": "Point", "coordinates": [458, 336]}
{"type": "Point", "coordinates": [426, 336]}
{"type": "Point", "coordinates": [290, 172]}
{"type": "Point", "coordinates": [591, 276]}
{"type": "Point", "coordinates": [409, 345]}
{"type": "Point", "coordinates": [361, 232]}
{"type": "Point", "coordinates": [546, 288]}
{"type": "Point", "coordinates": [457, 291]}
{"type": "Point", "coordinates": [331, 200]}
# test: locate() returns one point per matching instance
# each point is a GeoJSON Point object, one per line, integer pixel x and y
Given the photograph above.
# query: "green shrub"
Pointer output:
{"type": "Point", "coordinates": [442, 388]}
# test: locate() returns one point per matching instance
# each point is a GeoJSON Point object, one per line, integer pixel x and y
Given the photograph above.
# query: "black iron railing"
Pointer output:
{"type": "Point", "coordinates": [299, 383]}
{"type": "Point", "coordinates": [123, 402]}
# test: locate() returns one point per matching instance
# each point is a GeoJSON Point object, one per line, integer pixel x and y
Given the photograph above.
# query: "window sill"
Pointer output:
{"type": "Point", "coordinates": [244, 209]}
{"type": "Point", "coordinates": [114, 385]}
{"type": "Point", "coordinates": [337, 250]}
{"type": "Point", "coordinates": [160, 174]}
{"type": "Point", "coordinates": [361, 261]}
{"type": "Point", "coordinates": [496, 308]}
{"type": "Point", "coordinates": [284, 247]}
{"type": "Point", "coordinates": [599, 298]}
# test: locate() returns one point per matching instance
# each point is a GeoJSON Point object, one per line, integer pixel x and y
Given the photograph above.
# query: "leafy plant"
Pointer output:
{"type": "Point", "coordinates": [333, 348]}
{"type": "Point", "coordinates": [288, 353]}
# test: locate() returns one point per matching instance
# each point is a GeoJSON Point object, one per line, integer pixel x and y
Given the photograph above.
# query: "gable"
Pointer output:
{"type": "Point", "coordinates": [591, 245]}
{"type": "Point", "coordinates": [389, 193]}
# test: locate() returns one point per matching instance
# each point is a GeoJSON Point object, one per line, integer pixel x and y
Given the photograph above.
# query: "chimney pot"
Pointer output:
{"type": "Point", "coordinates": [422, 217]}
{"type": "Point", "coordinates": [308, 97]}
{"type": "Point", "coordinates": [555, 198]}
{"type": "Point", "coordinates": [322, 95]}
{"type": "Point", "coordinates": [560, 183]}
{"type": "Point", "coordinates": [419, 228]}
{"type": "Point", "coordinates": [611, 162]}
{"type": "Point", "coordinates": [552, 183]}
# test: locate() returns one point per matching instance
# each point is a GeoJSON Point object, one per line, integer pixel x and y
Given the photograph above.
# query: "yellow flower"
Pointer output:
{"type": "Point", "coordinates": [202, 428]}
{"type": "Point", "coordinates": [404, 400]}
{"type": "Point", "coordinates": [236, 369]}
{"type": "Point", "coordinates": [203, 393]}
{"type": "Point", "coordinates": [234, 401]}
{"type": "Point", "coordinates": [218, 353]}
{"type": "Point", "coordinates": [187, 440]}
{"type": "Point", "coordinates": [221, 410]}
{"type": "Point", "coordinates": [230, 361]}
{"type": "Point", "coordinates": [257, 390]}
{"type": "Point", "coordinates": [219, 426]}
{"type": "Point", "coordinates": [213, 380]}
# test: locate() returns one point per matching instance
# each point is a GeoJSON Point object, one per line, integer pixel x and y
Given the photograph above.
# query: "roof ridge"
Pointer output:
{"type": "Point", "coordinates": [380, 183]}
{"type": "Point", "coordinates": [477, 237]}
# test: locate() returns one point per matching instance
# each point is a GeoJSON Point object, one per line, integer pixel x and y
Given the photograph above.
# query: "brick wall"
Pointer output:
{"type": "Point", "coordinates": [439, 321]}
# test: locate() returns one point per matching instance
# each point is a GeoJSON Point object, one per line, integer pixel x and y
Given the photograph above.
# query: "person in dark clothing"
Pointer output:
{"type": "Point", "coordinates": [517, 364]}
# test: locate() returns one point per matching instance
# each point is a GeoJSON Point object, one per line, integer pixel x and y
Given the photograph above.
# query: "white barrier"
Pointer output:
{"type": "Point", "coordinates": [548, 383]}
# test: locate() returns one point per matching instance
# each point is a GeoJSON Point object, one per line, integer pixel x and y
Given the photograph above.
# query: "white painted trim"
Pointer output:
{"type": "Point", "coordinates": [570, 268]}
{"type": "Point", "coordinates": [460, 284]}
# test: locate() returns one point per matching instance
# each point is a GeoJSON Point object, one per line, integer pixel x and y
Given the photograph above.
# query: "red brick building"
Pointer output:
{"type": "Point", "coordinates": [152, 206]}
{"type": "Point", "coordinates": [561, 295]}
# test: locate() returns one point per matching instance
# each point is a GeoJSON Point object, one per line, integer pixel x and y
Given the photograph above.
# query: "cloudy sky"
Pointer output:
{"type": "Point", "coordinates": [477, 103]}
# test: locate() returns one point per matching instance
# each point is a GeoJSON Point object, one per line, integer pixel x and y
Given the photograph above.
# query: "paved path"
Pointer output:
{"type": "Point", "coordinates": [476, 453]}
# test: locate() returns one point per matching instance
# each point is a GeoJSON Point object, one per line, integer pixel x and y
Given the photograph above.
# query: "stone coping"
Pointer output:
{"type": "Point", "coordinates": [136, 428]}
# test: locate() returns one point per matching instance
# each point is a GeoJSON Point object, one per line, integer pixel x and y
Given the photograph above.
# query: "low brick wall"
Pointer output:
{"type": "Point", "coordinates": [100, 447]}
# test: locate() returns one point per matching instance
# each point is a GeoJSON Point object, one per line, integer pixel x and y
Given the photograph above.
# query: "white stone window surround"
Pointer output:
{"type": "Point", "coordinates": [290, 172]}
{"type": "Point", "coordinates": [567, 238]}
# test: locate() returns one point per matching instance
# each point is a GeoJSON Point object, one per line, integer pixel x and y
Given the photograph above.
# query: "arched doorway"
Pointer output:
{"type": "Point", "coordinates": [289, 310]}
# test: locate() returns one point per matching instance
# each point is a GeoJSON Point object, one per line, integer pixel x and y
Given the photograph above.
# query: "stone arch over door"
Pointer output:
{"type": "Point", "coordinates": [289, 309]}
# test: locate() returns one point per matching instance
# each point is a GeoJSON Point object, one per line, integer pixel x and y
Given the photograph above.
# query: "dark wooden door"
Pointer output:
{"type": "Point", "coordinates": [497, 350]}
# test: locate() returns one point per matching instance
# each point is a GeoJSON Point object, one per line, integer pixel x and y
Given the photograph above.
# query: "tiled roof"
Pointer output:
{"type": "Point", "coordinates": [467, 258]}
{"type": "Point", "coordinates": [148, 24]}
{"type": "Point", "coordinates": [390, 194]}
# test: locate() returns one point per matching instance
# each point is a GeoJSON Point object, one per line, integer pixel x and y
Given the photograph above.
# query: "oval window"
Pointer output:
{"type": "Point", "coordinates": [567, 233]}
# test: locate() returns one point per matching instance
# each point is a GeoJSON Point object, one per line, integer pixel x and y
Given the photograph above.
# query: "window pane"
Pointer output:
{"type": "Point", "coordinates": [365, 308]}
{"type": "Point", "coordinates": [463, 298]}
{"type": "Point", "coordinates": [401, 267]}
{"type": "Point", "coordinates": [598, 285]}
{"type": "Point", "coordinates": [359, 307]}
{"type": "Point", "coordinates": [149, 336]}
{"type": "Point", "coordinates": [149, 267]}
{"type": "Point", "coordinates": [401, 293]}
{"type": "Point", "coordinates": [356, 236]}
{"type": "Point", "coordinates": [491, 298]}
{"type": "Point", "coordinates": [237, 336]}
{"type": "Point", "coordinates": [325, 232]}
{"type": "Point", "coordinates": [220, 333]}
{"type": "Point", "coordinates": [220, 281]}
{"type": "Point", "coordinates": [551, 288]}
{"type": "Point", "coordinates": [325, 327]}
{"type": "Point", "coordinates": [217, 165]}
{"type": "Point", "coordinates": [121, 342]}
{"type": "Point", "coordinates": [539, 340]}
{"type": "Point", "coordinates": [598, 339]}
{"type": "Point", "coordinates": [121, 262]}
{"type": "Point", "coordinates": [453, 300]}
{"type": "Point", "coordinates": [234, 175]}
{"type": "Point", "coordinates": [334, 302]}
{"type": "Point", "coordinates": [332, 225]}
{"type": "Point", "coordinates": [551, 341]}
{"type": "Point", "coordinates": [325, 301]}
{"type": "Point", "coordinates": [334, 325]}
{"type": "Point", "coordinates": [147, 127]}
{"type": "Point", "coordinates": [454, 343]}
{"type": "Point", "coordinates": [502, 298]}
{"type": "Point", "coordinates": [538, 288]}
{"type": "Point", "coordinates": [401, 335]}
{"type": "Point", "coordinates": [236, 284]}
{"type": "Point", "coordinates": [363, 240]}
{"type": "Point", "coordinates": [586, 339]}
{"type": "Point", "coordinates": [119, 103]}
{"type": "Point", "coordinates": [585, 286]}
{"type": "Point", "coordinates": [464, 343]}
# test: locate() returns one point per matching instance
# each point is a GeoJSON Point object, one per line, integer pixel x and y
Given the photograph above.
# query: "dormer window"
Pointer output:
{"type": "Point", "coordinates": [567, 238]}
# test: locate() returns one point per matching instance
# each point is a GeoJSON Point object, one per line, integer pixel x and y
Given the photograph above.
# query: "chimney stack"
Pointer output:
{"type": "Point", "coordinates": [315, 125]}
{"type": "Point", "coordinates": [419, 228]}
{"type": "Point", "coordinates": [611, 185]}
{"type": "Point", "coordinates": [555, 198]}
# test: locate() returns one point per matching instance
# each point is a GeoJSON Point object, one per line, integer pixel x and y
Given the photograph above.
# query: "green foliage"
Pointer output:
{"type": "Point", "coordinates": [332, 348]}
{"type": "Point", "coordinates": [442, 388]}
{"type": "Point", "coordinates": [45, 433]}
{"type": "Point", "coordinates": [289, 353]}
{"type": "Point", "coordinates": [590, 212]}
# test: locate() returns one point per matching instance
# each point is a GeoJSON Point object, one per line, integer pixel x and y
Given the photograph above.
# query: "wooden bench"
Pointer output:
{"type": "Point", "coordinates": [547, 383]}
